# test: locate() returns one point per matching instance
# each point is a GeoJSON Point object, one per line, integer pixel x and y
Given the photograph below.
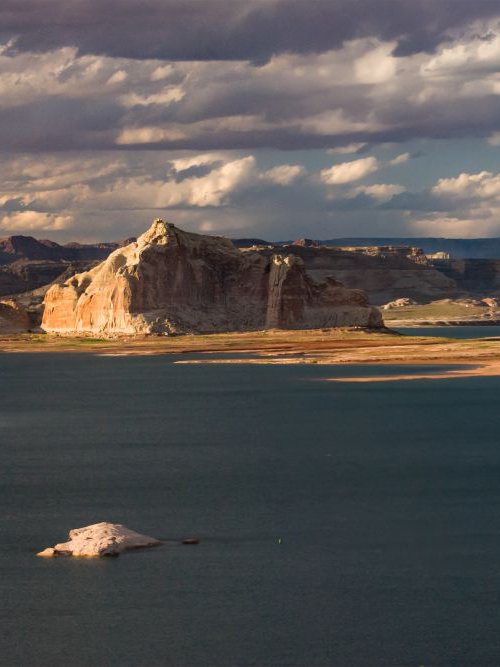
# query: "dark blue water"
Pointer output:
{"type": "Point", "coordinates": [478, 331]}
{"type": "Point", "coordinates": [386, 498]}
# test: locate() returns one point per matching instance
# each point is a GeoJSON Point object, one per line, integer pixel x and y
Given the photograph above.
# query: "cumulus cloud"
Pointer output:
{"type": "Point", "coordinates": [167, 103]}
{"type": "Point", "coordinates": [465, 205]}
{"type": "Point", "coordinates": [380, 191]}
{"type": "Point", "coordinates": [400, 159]}
{"type": "Point", "coordinates": [342, 99]}
{"type": "Point", "coordinates": [211, 189]}
{"type": "Point", "coordinates": [23, 221]}
{"type": "Point", "coordinates": [164, 97]}
{"type": "Point", "coordinates": [116, 195]}
{"type": "Point", "coordinates": [284, 174]}
{"type": "Point", "coordinates": [484, 185]}
{"type": "Point", "coordinates": [347, 150]}
{"type": "Point", "coordinates": [455, 227]}
{"type": "Point", "coordinates": [346, 172]}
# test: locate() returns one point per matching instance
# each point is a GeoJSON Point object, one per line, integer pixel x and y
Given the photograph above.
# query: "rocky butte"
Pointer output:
{"type": "Point", "coordinates": [170, 281]}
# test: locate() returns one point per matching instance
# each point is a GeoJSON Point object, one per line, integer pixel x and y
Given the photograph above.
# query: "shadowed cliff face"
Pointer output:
{"type": "Point", "coordinates": [170, 281]}
{"type": "Point", "coordinates": [28, 264]}
{"type": "Point", "coordinates": [384, 273]}
{"type": "Point", "coordinates": [13, 317]}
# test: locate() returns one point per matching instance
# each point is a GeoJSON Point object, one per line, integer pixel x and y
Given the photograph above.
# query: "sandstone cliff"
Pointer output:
{"type": "Point", "coordinates": [384, 273]}
{"type": "Point", "coordinates": [171, 281]}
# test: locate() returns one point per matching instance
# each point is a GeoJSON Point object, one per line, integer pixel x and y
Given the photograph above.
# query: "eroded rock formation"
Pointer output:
{"type": "Point", "coordinates": [100, 539]}
{"type": "Point", "coordinates": [14, 318]}
{"type": "Point", "coordinates": [171, 281]}
{"type": "Point", "coordinates": [385, 274]}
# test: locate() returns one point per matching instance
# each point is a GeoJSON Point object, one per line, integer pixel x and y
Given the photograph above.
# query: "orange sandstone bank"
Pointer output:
{"type": "Point", "coordinates": [479, 357]}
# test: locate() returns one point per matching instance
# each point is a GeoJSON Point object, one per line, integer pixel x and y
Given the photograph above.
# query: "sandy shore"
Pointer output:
{"type": "Point", "coordinates": [465, 358]}
{"type": "Point", "coordinates": [472, 370]}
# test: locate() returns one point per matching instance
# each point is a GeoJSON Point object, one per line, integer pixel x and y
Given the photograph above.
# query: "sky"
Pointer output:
{"type": "Point", "coordinates": [275, 119]}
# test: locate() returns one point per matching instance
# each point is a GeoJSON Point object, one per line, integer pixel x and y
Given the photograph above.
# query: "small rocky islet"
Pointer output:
{"type": "Point", "coordinates": [100, 540]}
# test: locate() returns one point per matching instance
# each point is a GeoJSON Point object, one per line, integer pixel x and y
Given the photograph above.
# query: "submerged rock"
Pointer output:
{"type": "Point", "coordinates": [100, 539]}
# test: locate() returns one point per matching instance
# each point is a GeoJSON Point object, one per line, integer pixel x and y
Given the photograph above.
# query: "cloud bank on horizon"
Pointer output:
{"type": "Point", "coordinates": [271, 118]}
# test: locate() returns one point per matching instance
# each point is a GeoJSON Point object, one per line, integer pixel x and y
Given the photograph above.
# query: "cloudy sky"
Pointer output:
{"type": "Point", "coordinates": [268, 118]}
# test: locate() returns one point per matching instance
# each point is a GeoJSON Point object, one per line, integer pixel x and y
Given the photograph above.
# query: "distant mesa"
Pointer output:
{"type": "Point", "coordinates": [27, 248]}
{"type": "Point", "coordinates": [170, 281]}
{"type": "Point", "coordinates": [14, 318]}
{"type": "Point", "coordinates": [306, 243]}
{"type": "Point", "coordinates": [28, 264]}
{"type": "Point", "coordinates": [399, 303]}
{"type": "Point", "coordinates": [99, 540]}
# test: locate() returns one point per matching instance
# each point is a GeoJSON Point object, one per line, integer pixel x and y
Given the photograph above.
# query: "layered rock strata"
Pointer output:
{"type": "Point", "coordinates": [171, 281]}
{"type": "Point", "coordinates": [385, 274]}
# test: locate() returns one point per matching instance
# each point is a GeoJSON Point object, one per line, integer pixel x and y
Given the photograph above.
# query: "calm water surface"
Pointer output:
{"type": "Point", "coordinates": [478, 331]}
{"type": "Point", "coordinates": [386, 498]}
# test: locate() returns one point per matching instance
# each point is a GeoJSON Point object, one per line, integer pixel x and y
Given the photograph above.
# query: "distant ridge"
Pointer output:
{"type": "Point", "coordinates": [14, 248]}
{"type": "Point", "coordinates": [481, 248]}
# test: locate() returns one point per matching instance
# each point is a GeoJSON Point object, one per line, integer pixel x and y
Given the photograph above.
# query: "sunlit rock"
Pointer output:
{"type": "Point", "coordinates": [170, 281]}
{"type": "Point", "coordinates": [100, 539]}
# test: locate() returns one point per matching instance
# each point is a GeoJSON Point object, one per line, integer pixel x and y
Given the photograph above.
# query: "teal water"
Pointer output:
{"type": "Point", "coordinates": [386, 499]}
{"type": "Point", "coordinates": [487, 331]}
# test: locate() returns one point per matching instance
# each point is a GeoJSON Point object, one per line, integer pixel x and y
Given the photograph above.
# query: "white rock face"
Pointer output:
{"type": "Point", "coordinates": [400, 303]}
{"type": "Point", "coordinates": [100, 539]}
{"type": "Point", "coordinates": [171, 281]}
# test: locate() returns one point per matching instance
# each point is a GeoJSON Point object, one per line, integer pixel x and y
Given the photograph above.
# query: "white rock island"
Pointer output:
{"type": "Point", "coordinates": [100, 539]}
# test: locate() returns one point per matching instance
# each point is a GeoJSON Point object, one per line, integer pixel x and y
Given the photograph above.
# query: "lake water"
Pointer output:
{"type": "Point", "coordinates": [487, 331]}
{"type": "Point", "coordinates": [385, 497]}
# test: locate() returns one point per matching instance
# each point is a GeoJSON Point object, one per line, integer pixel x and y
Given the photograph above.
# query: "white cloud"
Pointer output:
{"type": "Point", "coordinates": [473, 203]}
{"type": "Point", "coordinates": [455, 227]}
{"type": "Point", "coordinates": [337, 122]}
{"type": "Point", "coordinates": [379, 191]}
{"type": "Point", "coordinates": [284, 174]}
{"type": "Point", "coordinates": [346, 150]}
{"type": "Point", "coordinates": [399, 159]}
{"type": "Point", "coordinates": [212, 189]}
{"type": "Point", "coordinates": [165, 97]}
{"type": "Point", "coordinates": [24, 221]}
{"type": "Point", "coordinates": [148, 135]}
{"type": "Point", "coordinates": [359, 90]}
{"type": "Point", "coordinates": [117, 77]}
{"type": "Point", "coordinates": [377, 65]}
{"type": "Point", "coordinates": [202, 159]}
{"type": "Point", "coordinates": [483, 185]}
{"type": "Point", "coordinates": [162, 72]}
{"type": "Point", "coordinates": [346, 172]}
{"type": "Point", "coordinates": [470, 54]}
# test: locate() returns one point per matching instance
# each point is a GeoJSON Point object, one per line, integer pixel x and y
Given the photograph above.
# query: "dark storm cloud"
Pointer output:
{"type": "Point", "coordinates": [58, 123]}
{"type": "Point", "coordinates": [238, 29]}
{"type": "Point", "coordinates": [416, 201]}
